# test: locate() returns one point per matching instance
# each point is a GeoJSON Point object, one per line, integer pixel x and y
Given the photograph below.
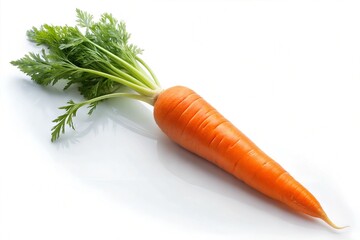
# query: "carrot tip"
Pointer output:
{"type": "Point", "coordinates": [328, 221]}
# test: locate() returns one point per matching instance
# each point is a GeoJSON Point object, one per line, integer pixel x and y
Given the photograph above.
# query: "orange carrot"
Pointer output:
{"type": "Point", "coordinates": [190, 121]}
{"type": "Point", "coordinates": [103, 64]}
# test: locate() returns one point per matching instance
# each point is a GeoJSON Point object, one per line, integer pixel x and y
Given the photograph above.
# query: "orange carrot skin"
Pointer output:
{"type": "Point", "coordinates": [190, 121]}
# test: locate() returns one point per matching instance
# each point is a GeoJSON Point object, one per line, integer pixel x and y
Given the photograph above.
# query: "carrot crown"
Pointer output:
{"type": "Point", "coordinates": [96, 56]}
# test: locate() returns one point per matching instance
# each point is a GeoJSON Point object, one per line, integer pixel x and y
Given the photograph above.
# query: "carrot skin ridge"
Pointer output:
{"type": "Point", "coordinates": [214, 138]}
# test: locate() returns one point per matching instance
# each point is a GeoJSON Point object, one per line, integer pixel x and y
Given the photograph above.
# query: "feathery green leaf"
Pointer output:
{"type": "Point", "coordinates": [96, 56]}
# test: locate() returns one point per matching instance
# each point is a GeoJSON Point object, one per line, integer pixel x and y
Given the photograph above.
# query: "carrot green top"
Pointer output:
{"type": "Point", "coordinates": [95, 56]}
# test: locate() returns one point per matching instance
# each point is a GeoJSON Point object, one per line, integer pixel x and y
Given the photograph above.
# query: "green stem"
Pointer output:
{"type": "Point", "coordinates": [142, 90]}
{"type": "Point", "coordinates": [142, 98]}
{"type": "Point", "coordinates": [149, 70]}
{"type": "Point", "coordinates": [128, 66]}
{"type": "Point", "coordinates": [125, 75]}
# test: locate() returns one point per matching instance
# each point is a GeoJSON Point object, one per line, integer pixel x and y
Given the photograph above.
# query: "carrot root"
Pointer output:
{"type": "Point", "coordinates": [330, 223]}
{"type": "Point", "coordinates": [187, 119]}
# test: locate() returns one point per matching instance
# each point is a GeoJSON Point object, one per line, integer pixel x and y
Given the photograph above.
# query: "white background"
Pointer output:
{"type": "Point", "coordinates": [286, 73]}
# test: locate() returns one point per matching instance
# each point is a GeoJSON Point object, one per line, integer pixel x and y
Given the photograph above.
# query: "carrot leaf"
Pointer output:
{"type": "Point", "coordinates": [95, 56]}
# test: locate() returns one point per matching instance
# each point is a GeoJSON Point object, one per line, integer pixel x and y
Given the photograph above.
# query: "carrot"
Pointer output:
{"type": "Point", "coordinates": [97, 58]}
{"type": "Point", "coordinates": [190, 121]}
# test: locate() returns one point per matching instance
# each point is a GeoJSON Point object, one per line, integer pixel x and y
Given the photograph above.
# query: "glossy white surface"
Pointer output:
{"type": "Point", "coordinates": [286, 73]}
